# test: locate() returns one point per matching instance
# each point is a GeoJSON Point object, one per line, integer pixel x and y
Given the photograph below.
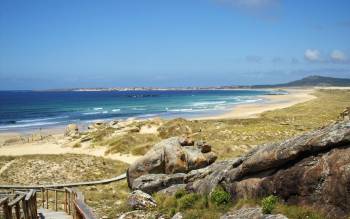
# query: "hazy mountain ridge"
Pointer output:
{"type": "Point", "coordinates": [314, 80]}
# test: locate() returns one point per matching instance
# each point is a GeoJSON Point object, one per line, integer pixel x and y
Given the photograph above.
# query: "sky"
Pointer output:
{"type": "Point", "coordinates": [47, 44]}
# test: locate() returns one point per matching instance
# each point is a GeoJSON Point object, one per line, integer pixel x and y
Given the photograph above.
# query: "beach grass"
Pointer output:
{"type": "Point", "coordinates": [65, 168]}
{"type": "Point", "coordinates": [229, 138]}
{"type": "Point", "coordinates": [234, 137]}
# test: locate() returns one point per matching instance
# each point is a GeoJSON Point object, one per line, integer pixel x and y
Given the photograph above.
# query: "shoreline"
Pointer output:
{"type": "Point", "coordinates": [271, 102]}
{"type": "Point", "coordinates": [239, 111]}
{"type": "Point", "coordinates": [56, 143]}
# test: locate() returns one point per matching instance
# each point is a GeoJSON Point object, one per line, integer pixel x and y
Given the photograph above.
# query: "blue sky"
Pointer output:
{"type": "Point", "coordinates": [71, 43]}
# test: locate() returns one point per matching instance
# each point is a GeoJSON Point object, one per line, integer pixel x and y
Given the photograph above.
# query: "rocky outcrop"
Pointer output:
{"type": "Point", "coordinates": [251, 213]}
{"type": "Point", "coordinates": [154, 182]}
{"type": "Point", "coordinates": [71, 130]}
{"type": "Point", "coordinates": [312, 169]}
{"type": "Point", "coordinates": [139, 200]}
{"type": "Point", "coordinates": [173, 155]}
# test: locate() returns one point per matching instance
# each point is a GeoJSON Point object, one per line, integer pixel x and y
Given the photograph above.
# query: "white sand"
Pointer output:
{"type": "Point", "coordinates": [272, 102]}
{"type": "Point", "coordinates": [53, 147]}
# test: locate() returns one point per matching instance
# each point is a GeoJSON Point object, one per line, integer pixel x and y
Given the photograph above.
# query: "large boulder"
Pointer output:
{"type": "Point", "coordinates": [173, 155]}
{"type": "Point", "coordinates": [154, 182]}
{"type": "Point", "coordinates": [71, 130]}
{"type": "Point", "coordinates": [139, 200]}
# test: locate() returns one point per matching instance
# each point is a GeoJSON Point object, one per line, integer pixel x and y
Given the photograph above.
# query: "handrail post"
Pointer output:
{"type": "Point", "coordinates": [65, 201]}
{"type": "Point", "coordinates": [6, 210]}
{"type": "Point", "coordinates": [25, 207]}
{"type": "Point", "coordinates": [35, 211]}
{"type": "Point", "coordinates": [47, 198]}
{"type": "Point", "coordinates": [55, 200]}
{"type": "Point", "coordinates": [42, 197]}
{"type": "Point", "coordinates": [18, 211]}
{"type": "Point", "coordinates": [70, 203]}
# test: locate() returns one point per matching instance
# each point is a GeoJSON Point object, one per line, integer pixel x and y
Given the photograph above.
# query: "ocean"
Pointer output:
{"type": "Point", "coordinates": [23, 110]}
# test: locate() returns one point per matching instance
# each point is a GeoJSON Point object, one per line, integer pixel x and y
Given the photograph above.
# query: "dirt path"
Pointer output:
{"type": "Point", "coordinates": [6, 166]}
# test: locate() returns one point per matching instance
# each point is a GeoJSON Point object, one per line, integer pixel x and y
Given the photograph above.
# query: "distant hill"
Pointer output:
{"type": "Point", "coordinates": [312, 81]}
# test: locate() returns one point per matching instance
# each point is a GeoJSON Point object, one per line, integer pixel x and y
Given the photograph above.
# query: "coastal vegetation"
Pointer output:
{"type": "Point", "coordinates": [228, 138]}
{"type": "Point", "coordinates": [198, 206]}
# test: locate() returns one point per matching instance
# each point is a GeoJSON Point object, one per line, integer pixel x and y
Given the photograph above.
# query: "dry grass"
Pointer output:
{"type": "Point", "coordinates": [48, 169]}
{"type": "Point", "coordinates": [229, 138]}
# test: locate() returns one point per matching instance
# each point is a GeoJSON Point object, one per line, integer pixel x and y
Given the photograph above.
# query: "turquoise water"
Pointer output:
{"type": "Point", "coordinates": [33, 110]}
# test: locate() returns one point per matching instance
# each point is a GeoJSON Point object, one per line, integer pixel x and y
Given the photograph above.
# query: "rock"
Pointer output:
{"type": "Point", "coordinates": [206, 179]}
{"type": "Point", "coordinates": [186, 141]}
{"type": "Point", "coordinates": [113, 123]}
{"type": "Point", "coordinates": [205, 148]}
{"type": "Point", "coordinates": [251, 213]}
{"type": "Point", "coordinates": [171, 190]}
{"type": "Point", "coordinates": [97, 125]}
{"type": "Point", "coordinates": [155, 182]}
{"type": "Point", "coordinates": [345, 115]}
{"type": "Point", "coordinates": [311, 169]}
{"type": "Point", "coordinates": [139, 200]}
{"type": "Point", "coordinates": [178, 215]}
{"type": "Point", "coordinates": [169, 157]}
{"type": "Point", "coordinates": [71, 130]}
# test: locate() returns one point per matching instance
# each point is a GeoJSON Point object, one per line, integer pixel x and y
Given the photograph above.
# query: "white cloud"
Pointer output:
{"type": "Point", "coordinates": [338, 56]}
{"type": "Point", "coordinates": [312, 55]}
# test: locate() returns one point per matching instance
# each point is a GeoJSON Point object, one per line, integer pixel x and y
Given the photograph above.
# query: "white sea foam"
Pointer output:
{"type": "Point", "coordinates": [205, 103]}
{"type": "Point", "coordinates": [91, 113]}
{"type": "Point", "coordinates": [98, 108]}
{"type": "Point", "coordinates": [184, 110]}
{"type": "Point", "coordinates": [115, 110]}
{"type": "Point", "coordinates": [137, 108]}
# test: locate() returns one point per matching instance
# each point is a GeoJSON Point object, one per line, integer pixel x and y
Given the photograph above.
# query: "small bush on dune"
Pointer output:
{"type": "Point", "coordinates": [220, 197]}
{"type": "Point", "coordinates": [268, 204]}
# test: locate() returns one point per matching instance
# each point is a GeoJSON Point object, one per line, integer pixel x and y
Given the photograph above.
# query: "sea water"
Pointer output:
{"type": "Point", "coordinates": [39, 109]}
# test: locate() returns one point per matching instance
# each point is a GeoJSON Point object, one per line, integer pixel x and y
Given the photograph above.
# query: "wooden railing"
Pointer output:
{"type": "Point", "coordinates": [73, 202]}
{"type": "Point", "coordinates": [19, 204]}
{"type": "Point", "coordinates": [25, 205]}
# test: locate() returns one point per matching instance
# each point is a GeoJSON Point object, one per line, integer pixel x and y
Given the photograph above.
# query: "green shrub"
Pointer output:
{"type": "Point", "coordinates": [179, 193]}
{"type": "Point", "coordinates": [187, 201]}
{"type": "Point", "coordinates": [172, 212]}
{"type": "Point", "coordinates": [269, 203]}
{"type": "Point", "coordinates": [219, 196]}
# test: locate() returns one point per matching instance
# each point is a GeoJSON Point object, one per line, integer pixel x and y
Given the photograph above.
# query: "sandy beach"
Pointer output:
{"type": "Point", "coordinates": [55, 145]}
{"type": "Point", "coordinates": [271, 102]}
